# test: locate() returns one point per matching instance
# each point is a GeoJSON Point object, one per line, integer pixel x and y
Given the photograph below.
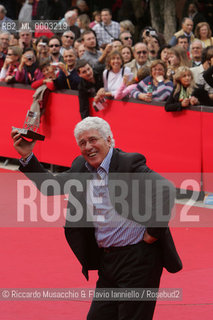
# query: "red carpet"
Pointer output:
{"type": "Point", "coordinates": [40, 258]}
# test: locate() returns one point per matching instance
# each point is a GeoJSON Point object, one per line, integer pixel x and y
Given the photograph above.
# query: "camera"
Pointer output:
{"type": "Point", "coordinates": [29, 57]}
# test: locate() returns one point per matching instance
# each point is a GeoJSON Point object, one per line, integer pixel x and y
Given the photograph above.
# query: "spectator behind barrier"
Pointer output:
{"type": "Point", "coordinates": [83, 22]}
{"type": "Point", "coordinates": [96, 18]}
{"type": "Point", "coordinates": [196, 49]}
{"type": "Point", "coordinates": [185, 93]}
{"type": "Point", "coordinates": [2, 55]}
{"type": "Point", "coordinates": [127, 86]}
{"type": "Point", "coordinates": [28, 70]}
{"type": "Point", "coordinates": [68, 77]}
{"type": "Point", "coordinates": [107, 30]}
{"type": "Point", "coordinates": [114, 72]}
{"type": "Point", "coordinates": [155, 87]}
{"type": "Point", "coordinates": [25, 39]}
{"type": "Point", "coordinates": [164, 53]}
{"type": "Point", "coordinates": [127, 54]}
{"type": "Point", "coordinates": [42, 48]}
{"type": "Point", "coordinates": [126, 38]}
{"type": "Point", "coordinates": [203, 33]}
{"type": "Point", "coordinates": [187, 27]}
{"type": "Point", "coordinates": [67, 39]}
{"type": "Point", "coordinates": [208, 74]}
{"type": "Point", "coordinates": [153, 47]}
{"type": "Point", "coordinates": [54, 49]}
{"type": "Point", "coordinates": [11, 63]}
{"type": "Point", "coordinates": [182, 41]}
{"type": "Point", "coordinates": [91, 81]}
{"type": "Point", "coordinates": [207, 55]}
{"type": "Point", "coordinates": [95, 57]}
{"type": "Point", "coordinates": [70, 18]}
{"type": "Point", "coordinates": [5, 40]}
{"type": "Point", "coordinates": [177, 57]}
{"type": "Point", "coordinates": [80, 50]}
{"type": "Point", "coordinates": [141, 58]}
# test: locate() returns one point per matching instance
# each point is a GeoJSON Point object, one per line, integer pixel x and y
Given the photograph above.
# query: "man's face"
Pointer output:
{"type": "Point", "coordinates": [86, 73]}
{"type": "Point", "coordinates": [187, 26]}
{"type": "Point", "coordinates": [94, 147]}
{"type": "Point", "coordinates": [72, 20]}
{"type": "Point", "coordinates": [183, 43]}
{"type": "Point", "coordinates": [54, 46]}
{"type": "Point", "coordinates": [141, 53]}
{"type": "Point", "coordinates": [25, 37]}
{"type": "Point", "coordinates": [69, 58]}
{"type": "Point", "coordinates": [106, 17]}
{"type": "Point", "coordinates": [67, 39]}
{"type": "Point", "coordinates": [5, 39]}
{"type": "Point", "coordinates": [89, 41]}
{"type": "Point", "coordinates": [196, 50]}
{"type": "Point", "coordinates": [126, 39]}
{"type": "Point", "coordinates": [116, 44]}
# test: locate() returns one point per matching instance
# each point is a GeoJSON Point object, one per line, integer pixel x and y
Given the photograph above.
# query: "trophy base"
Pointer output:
{"type": "Point", "coordinates": [30, 134]}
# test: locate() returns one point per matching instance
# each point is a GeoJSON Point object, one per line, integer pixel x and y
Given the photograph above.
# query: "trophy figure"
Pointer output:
{"type": "Point", "coordinates": [30, 127]}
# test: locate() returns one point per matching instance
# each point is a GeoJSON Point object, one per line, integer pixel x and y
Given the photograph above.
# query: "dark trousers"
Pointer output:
{"type": "Point", "coordinates": [134, 266]}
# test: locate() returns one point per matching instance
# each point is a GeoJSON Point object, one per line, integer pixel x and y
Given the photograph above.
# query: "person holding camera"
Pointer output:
{"type": "Point", "coordinates": [28, 70]}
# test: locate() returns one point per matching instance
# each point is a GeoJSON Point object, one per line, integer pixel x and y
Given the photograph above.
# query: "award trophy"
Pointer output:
{"type": "Point", "coordinates": [31, 125]}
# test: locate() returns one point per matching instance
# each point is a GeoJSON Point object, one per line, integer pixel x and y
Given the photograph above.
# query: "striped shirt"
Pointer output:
{"type": "Point", "coordinates": [159, 93]}
{"type": "Point", "coordinates": [111, 229]}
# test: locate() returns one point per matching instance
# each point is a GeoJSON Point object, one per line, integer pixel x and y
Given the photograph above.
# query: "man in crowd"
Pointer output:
{"type": "Point", "coordinates": [2, 56]}
{"type": "Point", "coordinates": [196, 49]}
{"type": "Point", "coordinates": [67, 40]}
{"type": "Point", "coordinates": [68, 77]}
{"type": "Point", "coordinates": [141, 58]}
{"type": "Point", "coordinates": [25, 39]}
{"type": "Point", "coordinates": [5, 40]}
{"type": "Point", "coordinates": [126, 38]}
{"type": "Point", "coordinates": [107, 30]}
{"type": "Point", "coordinates": [54, 49]}
{"type": "Point", "coordinates": [187, 27]}
{"type": "Point", "coordinates": [95, 57]}
{"type": "Point", "coordinates": [90, 82]}
{"type": "Point", "coordinates": [207, 55]}
{"type": "Point", "coordinates": [182, 41]}
{"type": "Point", "coordinates": [126, 252]}
{"type": "Point", "coordinates": [70, 18]}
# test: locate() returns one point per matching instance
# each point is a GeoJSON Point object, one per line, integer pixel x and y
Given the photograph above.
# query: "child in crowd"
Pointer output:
{"type": "Point", "coordinates": [127, 86]}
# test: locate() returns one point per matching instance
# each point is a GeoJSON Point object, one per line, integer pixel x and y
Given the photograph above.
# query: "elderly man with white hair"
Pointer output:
{"type": "Point", "coordinates": [70, 19]}
{"type": "Point", "coordinates": [4, 20]}
{"type": "Point", "coordinates": [112, 223]}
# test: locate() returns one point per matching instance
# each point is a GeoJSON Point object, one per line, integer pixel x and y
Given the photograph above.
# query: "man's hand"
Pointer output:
{"type": "Point", "coordinates": [147, 238]}
{"type": "Point", "coordinates": [22, 146]}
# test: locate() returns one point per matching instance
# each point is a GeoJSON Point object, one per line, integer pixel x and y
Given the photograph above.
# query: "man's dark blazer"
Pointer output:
{"type": "Point", "coordinates": [81, 238]}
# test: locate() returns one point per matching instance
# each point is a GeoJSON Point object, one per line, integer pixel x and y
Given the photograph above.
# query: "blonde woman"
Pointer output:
{"type": "Point", "coordinates": [184, 94]}
{"type": "Point", "coordinates": [204, 33]}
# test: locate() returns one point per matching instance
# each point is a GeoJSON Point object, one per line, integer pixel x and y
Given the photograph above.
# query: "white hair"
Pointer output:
{"type": "Point", "coordinates": [69, 14]}
{"type": "Point", "coordinates": [3, 9]}
{"type": "Point", "coordinates": [94, 123]}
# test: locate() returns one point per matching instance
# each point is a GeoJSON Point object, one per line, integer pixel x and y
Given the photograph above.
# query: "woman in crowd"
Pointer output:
{"type": "Point", "coordinates": [113, 75]}
{"type": "Point", "coordinates": [185, 93]}
{"type": "Point", "coordinates": [11, 63]}
{"type": "Point", "coordinates": [97, 18]}
{"type": "Point", "coordinates": [127, 54]}
{"type": "Point", "coordinates": [42, 48]}
{"type": "Point", "coordinates": [127, 25]}
{"type": "Point", "coordinates": [153, 47]}
{"type": "Point", "coordinates": [164, 53]}
{"type": "Point", "coordinates": [155, 87]}
{"type": "Point", "coordinates": [28, 70]}
{"type": "Point", "coordinates": [204, 33]}
{"type": "Point", "coordinates": [177, 58]}
{"type": "Point", "coordinates": [83, 22]}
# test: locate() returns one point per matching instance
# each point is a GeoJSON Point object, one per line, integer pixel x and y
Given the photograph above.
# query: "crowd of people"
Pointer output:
{"type": "Point", "coordinates": [102, 58]}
